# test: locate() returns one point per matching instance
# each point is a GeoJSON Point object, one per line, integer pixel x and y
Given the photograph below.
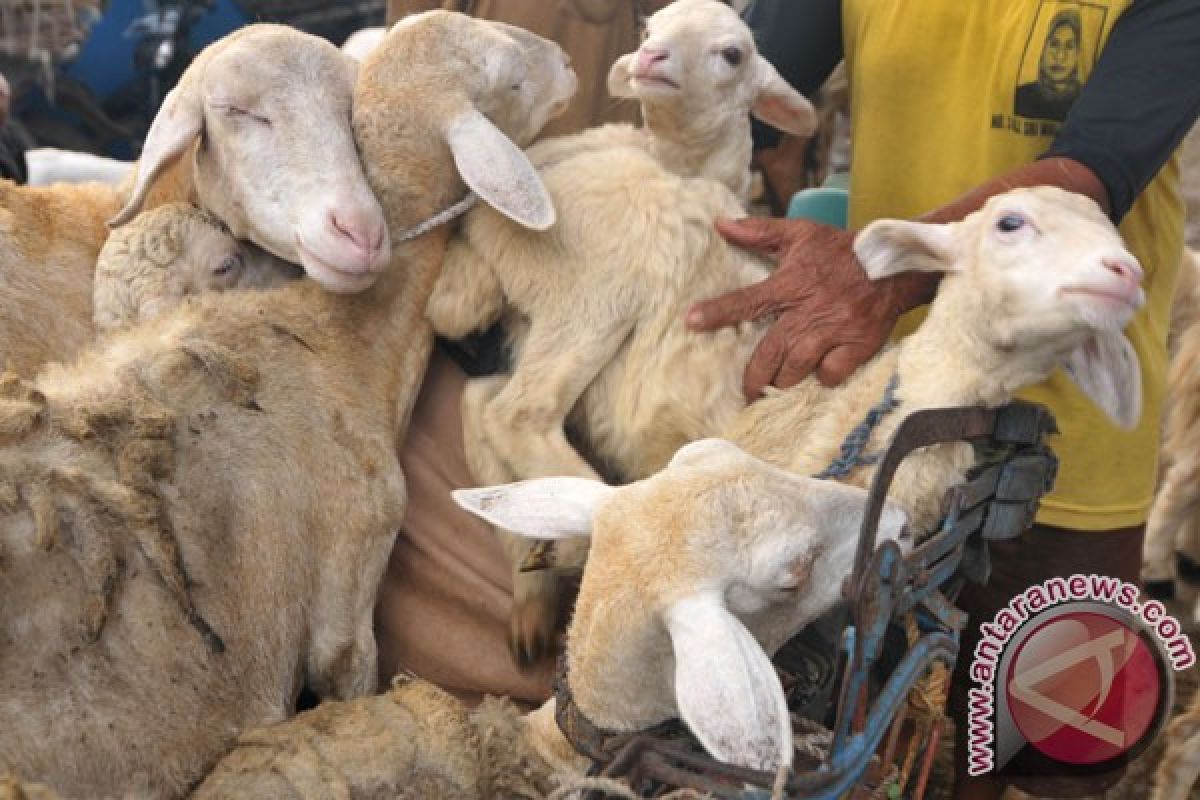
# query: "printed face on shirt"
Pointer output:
{"type": "Point", "coordinates": [1061, 49]}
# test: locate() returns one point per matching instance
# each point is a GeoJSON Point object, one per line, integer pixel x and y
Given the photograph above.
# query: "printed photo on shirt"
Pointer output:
{"type": "Point", "coordinates": [1059, 55]}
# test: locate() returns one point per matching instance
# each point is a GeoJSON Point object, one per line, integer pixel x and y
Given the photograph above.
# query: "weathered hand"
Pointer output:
{"type": "Point", "coordinates": [829, 317]}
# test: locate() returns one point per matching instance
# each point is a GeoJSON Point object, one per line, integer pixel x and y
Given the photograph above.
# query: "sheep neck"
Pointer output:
{"type": "Point", "coordinates": [700, 144]}
{"type": "Point", "coordinates": [383, 330]}
{"type": "Point", "coordinates": [971, 369]}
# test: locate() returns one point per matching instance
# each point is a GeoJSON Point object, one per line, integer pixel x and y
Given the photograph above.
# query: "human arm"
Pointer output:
{"type": "Point", "coordinates": [830, 318]}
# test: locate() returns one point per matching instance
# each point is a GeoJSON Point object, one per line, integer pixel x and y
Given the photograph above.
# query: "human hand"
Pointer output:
{"type": "Point", "coordinates": [829, 317]}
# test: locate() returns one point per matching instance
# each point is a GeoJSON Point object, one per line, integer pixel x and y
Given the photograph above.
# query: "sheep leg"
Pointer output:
{"type": "Point", "coordinates": [467, 297]}
{"type": "Point", "coordinates": [535, 594]}
{"type": "Point", "coordinates": [521, 424]}
{"type": "Point", "coordinates": [524, 422]}
{"type": "Point", "coordinates": [1173, 507]}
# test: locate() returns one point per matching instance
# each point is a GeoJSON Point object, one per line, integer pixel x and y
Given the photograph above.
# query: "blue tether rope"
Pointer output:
{"type": "Point", "coordinates": [856, 441]}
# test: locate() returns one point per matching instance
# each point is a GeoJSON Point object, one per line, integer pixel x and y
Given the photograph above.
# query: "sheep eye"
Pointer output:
{"type": "Point", "coordinates": [241, 113]}
{"type": "Point", "coordinates": [732, 56]}
{"type": "Point", "coordinates": [228, 265]}
{"type": "Point", "coordinates": [1010, 222]}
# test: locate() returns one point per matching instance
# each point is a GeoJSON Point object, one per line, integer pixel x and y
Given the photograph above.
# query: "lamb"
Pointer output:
{"type": "Point", "coordinates": [195, 515]}
{"type": "Point", "coordinates": [595, 305]}
{"type": "Point", "coordinates": [150, 264]}
{"type": "Point", "coordinates": [658, 630]}
{"type": "Point", "coordinates": [278, 168]}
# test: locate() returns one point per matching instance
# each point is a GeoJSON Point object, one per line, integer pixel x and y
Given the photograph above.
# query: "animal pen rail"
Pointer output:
{"type": "Point", "coordinates": [899, 634]}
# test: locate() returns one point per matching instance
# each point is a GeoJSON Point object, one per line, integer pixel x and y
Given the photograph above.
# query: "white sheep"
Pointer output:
{"type": "Point", "coordinates": [697, 573]}
{"type": "Point", "coordinates": [658, 631]}
{"type": "Point", "coordinates": [595, 305]}
{"type": "Point", "coordinates": [163, 255]}
{"type": "Point", "coordinates": [278, 168]}
{"type": "Point", "coordinates": [196, 514]}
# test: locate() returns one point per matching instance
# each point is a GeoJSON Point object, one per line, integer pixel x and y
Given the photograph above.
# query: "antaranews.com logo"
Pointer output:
{"type": "Point", "coordinates": [1077, 670]}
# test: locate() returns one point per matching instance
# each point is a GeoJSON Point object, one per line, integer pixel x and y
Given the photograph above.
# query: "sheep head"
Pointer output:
{"type": "Point", "coordinates": [677, 562]}
{"type": "Point", "coordinates": [699, 57]}
{"type": "Point", "coordinates": [483, 89]}
{"type": "Point", "coordinates": [1046, 273]}
{"type": "Point", "coordinates": [276, 162]}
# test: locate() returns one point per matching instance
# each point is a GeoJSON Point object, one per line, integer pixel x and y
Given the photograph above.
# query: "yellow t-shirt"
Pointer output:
{"type": "Point", "coordinates": [949, 93]}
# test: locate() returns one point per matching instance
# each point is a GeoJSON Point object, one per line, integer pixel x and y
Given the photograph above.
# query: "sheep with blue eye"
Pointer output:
{"type": "Point", "coordinates": [152, 263]}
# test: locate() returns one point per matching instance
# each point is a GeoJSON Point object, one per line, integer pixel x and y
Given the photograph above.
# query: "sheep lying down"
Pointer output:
{"type": "Point", "coordinates": [151, 263]}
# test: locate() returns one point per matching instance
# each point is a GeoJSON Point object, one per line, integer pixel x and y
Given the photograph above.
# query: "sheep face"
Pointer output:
{"type": "Point", "coordinates": [1045, 273]}
{"type": "Point", "coordinates": [678, 563]}
{"type": "Point", "coordinates": [699, 58]}
{"type": "Point", "coordinates": [278, 165]}
{"type": "Point", "coordinates": [489, 91]}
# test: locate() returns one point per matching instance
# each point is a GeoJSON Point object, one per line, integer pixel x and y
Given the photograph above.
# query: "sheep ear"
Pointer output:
{"type": "Point", "coordinates": [704, 450]}
{"type": "Point", "coordinates": [175, 127]}
{"type": "Point", "coordinates": [498, 172]}
{"type": "Point", "coordinates": [838, 509]}
{"type": "Point", "coordinates": [891, 246]}
{"type": "Point", "coordinates": [725, 687]}
{"type": "Point", "coordinates": [1106, 369]}
{"type": "Point", "coordinates": [779, 105]}
{"type": "Point", "coordinates": [542, 508]}
{"type": "Point", "coordinates": [620, 77]}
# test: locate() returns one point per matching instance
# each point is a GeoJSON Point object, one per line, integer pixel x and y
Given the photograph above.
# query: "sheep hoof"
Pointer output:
{"type": "Point", "coordinates": [531, 626]}
{"type": "Point", "coordinates": [1187, 569]}
{"type": "Point", "coordinates": [95, 615]}
{"type": "Point", "coordinates": [1160, 590]}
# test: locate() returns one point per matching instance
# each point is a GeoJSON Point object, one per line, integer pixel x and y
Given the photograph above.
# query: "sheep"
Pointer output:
{"type": "Point", "coordinates": [150, 264]}
{"type": "Point", "coordinates": [277, 167]}
{"type": "Point", "coordinates": [195, 515]}
{"type": "Point", "coordinates": [1172, 524]}
{"type": "Point", "coordinates": [659, 630]}
{"type": "Point", "coordinates": [595, 305]}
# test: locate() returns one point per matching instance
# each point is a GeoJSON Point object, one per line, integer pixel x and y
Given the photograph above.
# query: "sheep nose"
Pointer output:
{"type": "Point", "coordinates": [1126, 269]}
{"type": "Point", "coordinates": [649, 56]}
{"type": "Point", "coordinates": [363, 233]}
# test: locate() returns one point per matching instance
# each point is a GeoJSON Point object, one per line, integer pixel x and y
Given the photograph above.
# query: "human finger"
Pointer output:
{"type": "Point", "coordinates": [764, 363]}
{"type": "Point", "coordinates": [761, 234]}
{"type": "Point", "coordinates": [748, 303]}
{"type": "Point", "coordinates": [840, 363]}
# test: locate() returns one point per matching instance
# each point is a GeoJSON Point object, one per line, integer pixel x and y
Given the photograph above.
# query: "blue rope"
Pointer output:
{"type": "Point", "coordinates": [856, 441]}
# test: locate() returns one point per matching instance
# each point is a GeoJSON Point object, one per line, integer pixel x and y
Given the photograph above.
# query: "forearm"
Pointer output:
{"type": "Point", "coordinates": [914, 289]}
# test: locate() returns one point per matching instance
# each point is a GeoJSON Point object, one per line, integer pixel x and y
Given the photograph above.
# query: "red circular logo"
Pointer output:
{"type": "Point", "coordinates": [1084, 688]}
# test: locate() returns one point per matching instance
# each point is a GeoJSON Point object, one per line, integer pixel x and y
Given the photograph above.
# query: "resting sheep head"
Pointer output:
{"type": "Point", "coordinates": [1046, 272]}
{"type": "Point", "coordinates": [488, 91]}
{"type": "Point", "coordinates": [699, 56]}
{"type": "Point", "coordinates": [269, 110]}
{"type": "Point", "coordinates": [677, 561]}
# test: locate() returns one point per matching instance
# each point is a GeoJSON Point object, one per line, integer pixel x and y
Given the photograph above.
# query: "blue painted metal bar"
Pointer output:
{"type": "Point", "coordinates": [848, 763]}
